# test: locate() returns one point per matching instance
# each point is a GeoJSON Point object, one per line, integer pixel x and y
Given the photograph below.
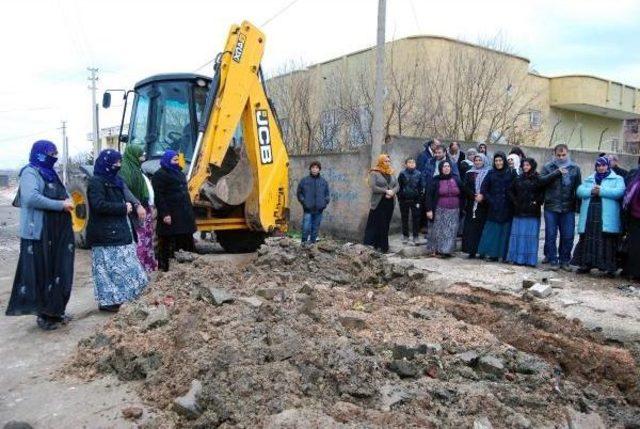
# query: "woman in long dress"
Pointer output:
{"type": "Point", "coordinates": [133, 177]}
{"type": "Point", "coordinates": [495, 235]}
{"type": "Point", "coordinates": [176, 220]}
{"type": "Point", "coordinates": [442, 202]}
{"type": "Point", "coordinates": [631, 205]}
{"type": "Point", "coordinates": [42, 285]}
{"type": "Point", "coordinates": [384, 187]}
{"type": "Point", "coordinates": [600, 222]}
{"type": "Point", "coordinates": [475, 207]}
{"type": "Point", "coordinates": [118, 275]}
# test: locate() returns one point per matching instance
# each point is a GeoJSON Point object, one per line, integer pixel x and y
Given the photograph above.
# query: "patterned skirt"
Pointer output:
{"type": "Point", "coordinates": [118, 276]}
{"type": "Point", "coordinates": [524, 241]}
{"type": "Point", "coordinates": [495, 239]}
{"type": "Point", "coordinates": [144, 249]}
{"type": "Point", "coordinates": [596, 249]}
{"type": "Point", "coordinates": [442, 232]}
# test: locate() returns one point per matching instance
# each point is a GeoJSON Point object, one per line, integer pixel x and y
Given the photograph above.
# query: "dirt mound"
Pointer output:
{"type": "Point", "coordinates": [337, 336]}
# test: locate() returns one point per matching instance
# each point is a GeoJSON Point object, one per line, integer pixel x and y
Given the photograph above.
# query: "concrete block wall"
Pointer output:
{"type": "Point", "coordinates": [346, 173]}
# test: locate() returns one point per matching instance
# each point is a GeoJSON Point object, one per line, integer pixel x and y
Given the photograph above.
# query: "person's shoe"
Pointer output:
{"type": "Point", "coordinates": [583, 270]}
{"type": "Point", "coordinates": [405, 239]}
{"type": "Point", "coordinates": [65, 318]}
{"type": "Point", "coordinates": [565, 267]}
{"type": "Point", "coordinates": [414, 241]}
{"type": "Point", "coordinates": [46, 325]}
{"type": "Point", "coordinates": [471, 256]}
{"type": "Point", "coordinates": [109, 308]}
{"type": "Point", "coordinates": [490, 259]}
{"type": "Point", "coordinates": [610, 275]}
{"type": "Point", "coordinates": [546, 260]}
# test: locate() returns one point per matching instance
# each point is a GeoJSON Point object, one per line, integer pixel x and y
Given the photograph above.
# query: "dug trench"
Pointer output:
{"type": "Point", "coordinates": [338, 336]}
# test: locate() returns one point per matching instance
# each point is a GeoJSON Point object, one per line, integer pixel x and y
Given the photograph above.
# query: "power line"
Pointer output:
{"type": "Point", "coordinates": [277, 14]}
{"type": "Point", "coordinates": [28, 135]}
{"type": "Point", "coordinates": [280, 12]}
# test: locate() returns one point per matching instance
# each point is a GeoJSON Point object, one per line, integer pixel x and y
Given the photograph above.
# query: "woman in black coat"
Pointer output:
{"type": "Point", "coordinates": [176, 220]}
{"type": "Point", "coordinates": [495, 235]}
{"type": "Point", "coordinates": [527, 196]}
{"type": "Point", "coordinates": [117, 274]}
{"type": "Point", "coordinates": [475, 210]}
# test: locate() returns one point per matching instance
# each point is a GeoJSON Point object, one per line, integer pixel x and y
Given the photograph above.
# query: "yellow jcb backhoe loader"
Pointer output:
{"type": "Point", "coordinates": [228, 135]}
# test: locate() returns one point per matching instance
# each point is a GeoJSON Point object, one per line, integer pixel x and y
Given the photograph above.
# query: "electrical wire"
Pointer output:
{"type": "Point", "coordinates": [277, 14]}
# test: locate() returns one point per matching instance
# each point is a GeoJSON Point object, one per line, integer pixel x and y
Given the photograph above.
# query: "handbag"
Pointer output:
{"type": "Point", "coordinates": [16, 200]}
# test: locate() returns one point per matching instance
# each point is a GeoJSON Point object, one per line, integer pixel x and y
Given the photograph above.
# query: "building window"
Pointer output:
{"type": "Point", "coordinates": [631, 126]}
{"type": "Point", "coordinates": [535, 119]}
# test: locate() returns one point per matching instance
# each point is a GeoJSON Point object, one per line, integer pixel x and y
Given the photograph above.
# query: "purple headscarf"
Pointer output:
{"type": "Point", "coordinates": [603, 160]}
{"type": "Point", "coordinates": [165, 161]}
{"type": "Point", "coordinates": [40, 159]}
{"type": "Point", "coordinates": [104, 167]}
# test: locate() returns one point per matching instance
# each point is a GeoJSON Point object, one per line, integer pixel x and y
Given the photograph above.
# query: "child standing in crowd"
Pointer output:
{"type": "Point", "coordinates": [410, 196]}
{"type": "Point", "coordinates": [475, 206]}
{"type": "Point", "coordinates": [443, 200]}
{"type": "Point", "coordinates": [313, 195]}
{"type": "Point", "coordinates": [495, 235]}
{"type": "Point", "coordinates": [384, 187]}
{"type": "Point", "coordinates": [526, 195]}
{"type": "Point", "coordinates": [600, 224]}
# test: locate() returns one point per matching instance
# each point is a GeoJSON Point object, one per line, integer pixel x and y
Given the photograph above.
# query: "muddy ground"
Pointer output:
{"type": "Point", "coordinates": [339, 336]}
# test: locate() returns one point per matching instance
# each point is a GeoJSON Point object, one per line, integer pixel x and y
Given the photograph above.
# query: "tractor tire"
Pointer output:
{"type": "Point", "coordinates": [77, 189]}
{"type": "Point", "coordinates": [240, 241]}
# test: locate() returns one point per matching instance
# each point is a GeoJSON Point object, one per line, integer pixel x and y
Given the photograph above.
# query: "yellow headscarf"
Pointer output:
{"type": "Point", "coordinates": [381, 166]}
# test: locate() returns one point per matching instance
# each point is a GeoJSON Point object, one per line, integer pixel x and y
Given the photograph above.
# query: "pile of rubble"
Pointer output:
{"type": "Point", "coordinates": [337, 336]}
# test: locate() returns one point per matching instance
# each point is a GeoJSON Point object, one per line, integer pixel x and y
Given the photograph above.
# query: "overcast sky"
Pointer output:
{"type": "Point", "coordinates": [47, 45]}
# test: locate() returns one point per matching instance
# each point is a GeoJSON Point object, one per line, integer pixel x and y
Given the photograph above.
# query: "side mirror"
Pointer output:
{"type": "Point", "coordinates": [106, 100]}
{"type": "Point", "coordinates": [124, 138]}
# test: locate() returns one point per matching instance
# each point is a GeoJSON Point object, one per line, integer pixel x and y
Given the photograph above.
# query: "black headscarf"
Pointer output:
{"type": "Point", "coordinates": [441, 175]}
{"type": "Point", "coordinates": [505, 166]}
{"type": "Point", "coordinates": [534, 165]}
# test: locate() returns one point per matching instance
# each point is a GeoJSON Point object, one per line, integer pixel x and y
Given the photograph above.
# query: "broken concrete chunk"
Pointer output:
{"type": "Point", "coordinates": [17, 425]}
{"type": "Point", "coordinates": [271, 294]}
{"type": "Point", "coordinates": [577, 420]}
{"type": "Point", "coordinates": [491, 365]}
{"type": "Point", "coordinates": [157, 317]}
{"type": "Point", "coordinates": [405, 369]}
{"type": "Point", "coordinates": [220, 296]}
{"type": "Point", "coordinates": [187, 405]}
{"type": "Point", "coordinates": [469, 358]}
{"type": "Point", "coordinates": [252, 301]}
{"type": "Point", "coordinates": [353, 323]}
{"type": "Point", "coordinates": [482, 423]}
{"type": "Point", "coordinates": [540, 291]}
{"type": "Point", "coordinates": [528, 283]}
{"type": "Point", "coordinates": [415, 274]}
{"type": "Point", "coordinates": [183, 257]}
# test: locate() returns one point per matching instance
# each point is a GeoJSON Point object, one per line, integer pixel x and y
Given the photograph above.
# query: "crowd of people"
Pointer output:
{"type": "Point", "coordinates": [496, 202]}
{"type": "Point", "coordinates": [493, 202]}
{"type": "Point", "coordinates": [120, 230]}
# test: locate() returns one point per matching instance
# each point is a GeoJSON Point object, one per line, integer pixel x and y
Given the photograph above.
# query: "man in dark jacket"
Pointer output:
{"type": "Point", "coordinates": [426, 154]}
{"type": "Point", "coordinates": [456, 154]}
{"type": "Point", "coordinates": [313, 194]}
{"type": "Point", "coordinates": [431, 169]}
{"type": "Point", "coordinates": [410, 195]}
{"type": "Point", "coordinates": [615, 166]}
{"type": "Point", "coordinates": [560, 206]}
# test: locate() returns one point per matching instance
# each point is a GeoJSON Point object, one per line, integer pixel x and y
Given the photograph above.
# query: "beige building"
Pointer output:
{"type": "Point", "coordinates": [437, 86]}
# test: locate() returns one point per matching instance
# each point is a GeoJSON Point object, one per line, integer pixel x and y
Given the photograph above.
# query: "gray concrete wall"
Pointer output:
{"type": "Point", "coordinates": [346, 173]}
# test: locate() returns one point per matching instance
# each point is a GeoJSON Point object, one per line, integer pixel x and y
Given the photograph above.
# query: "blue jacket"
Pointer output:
{"type": "Point", "coordinates": [313, 194]}
{"type": "Point", "coordinates": [611, 192]}
{"type": "Point", "coordinates": [495, 189]}
{"type": "Point", "coordinates": [33, 204]}
{"type": "Point", "coordinates": [423, 159]}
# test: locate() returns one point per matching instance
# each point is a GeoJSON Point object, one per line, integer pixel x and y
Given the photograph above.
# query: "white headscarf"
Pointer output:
{"type": "Point", "coordinates": [516, 163]}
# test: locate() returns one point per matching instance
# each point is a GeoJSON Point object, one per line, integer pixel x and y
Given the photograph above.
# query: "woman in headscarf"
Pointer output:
{"type": "Point", "coordinates": [118, 276]}
{"type": "Point", "coordinates": [517, 150]}
{"type": "Point", "coordinates": [475, 206]}
{"type": "Point", "coordinates": [42, 285]}
{"type": "Point", "coordinates": [384, 187]}
{"type": "Point", "coordinates": [443, 201]}
{"type": "Point", "coordinates": [176, 220]}
{"type": "Point", "coordinates": [631, 206]}
{"type": "Point", "coordinates": [495, 235]}
{"type": "Point", "coordinates": [527, 196]}
{"type": "Point", "coordinates": [600, 222]}
{"type": "Point", "coordinates": [467, 163]}
{"type": "Point", "coordinates": [514, 164]}
{"type": "Point", "coordinates": [134, 178]}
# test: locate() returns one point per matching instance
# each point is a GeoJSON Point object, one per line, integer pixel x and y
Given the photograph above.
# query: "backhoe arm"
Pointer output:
{"type": "Point", "coordinates": [241, 98]}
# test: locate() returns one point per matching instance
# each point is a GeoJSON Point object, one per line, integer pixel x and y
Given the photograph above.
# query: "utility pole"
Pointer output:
{"type": "Point", "coordinates": [93, 78]}
{"type": "Point", "coordinates": [65, 152]}
{"type": "Point", "coordinates": [378, 101]}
